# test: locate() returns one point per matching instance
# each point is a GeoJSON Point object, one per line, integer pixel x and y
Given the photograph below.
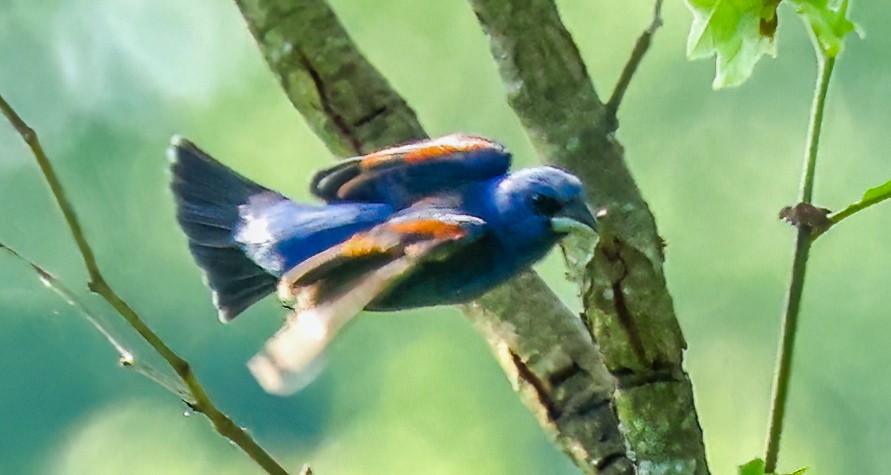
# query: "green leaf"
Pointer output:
{"type": "Point", "coordinates": [879, 193]}
{"type": "Point", "coordinates": [872, 196]}
{"type": "Point", "coordinates": [829, 21]}
{"type": "Point", "coordinates": [756, 467]}
{"type": "Point", "coordinates": [737, 32]}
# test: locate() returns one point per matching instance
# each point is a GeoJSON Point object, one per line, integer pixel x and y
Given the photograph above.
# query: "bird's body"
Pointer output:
{"type": "Point", "coordinates": [431, 223]}
{"type": "Point", "coordinates": [497, 255]}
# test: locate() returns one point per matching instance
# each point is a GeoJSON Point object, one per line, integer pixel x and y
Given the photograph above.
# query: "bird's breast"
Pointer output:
{"type": "Point", "coordinates": [463, 276]}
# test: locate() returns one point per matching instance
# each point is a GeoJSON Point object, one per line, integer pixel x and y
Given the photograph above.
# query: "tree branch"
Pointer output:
{"type": "Point", "coordinates": [541, 344]}
{"type": "Point", "coordinates": [319, 68]}
{"type": "Point", "coordinates": [197, 396]}
{"type": "Point", "coordinates": [551, 360]}
{"type": "Point", "coordinates": [126, 357]}
{"type": "Point", "coordinates": [637, 55]}
{"type": "Point", "coordinates": [628, 307]}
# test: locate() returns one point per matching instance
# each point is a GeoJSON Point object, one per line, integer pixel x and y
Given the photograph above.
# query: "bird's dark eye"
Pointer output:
{"type": "Point", "coordinates": [546, 205]}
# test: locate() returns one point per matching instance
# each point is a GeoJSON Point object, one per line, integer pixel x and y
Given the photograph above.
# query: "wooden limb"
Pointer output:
{"type": "Point", "coordinates": [627, 305]}
{"type": "Point", "coordinates": [541, 344]}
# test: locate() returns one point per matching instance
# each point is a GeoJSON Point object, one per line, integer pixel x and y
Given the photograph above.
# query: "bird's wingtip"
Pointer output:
{"type": "Point", "coordinates": [281, 381]}
{"type": "Point", "coordinates": [178, 143]}
{"type": "Point", "coordinates": [177, 140]}
{"type": "Point", "coordinates": [224, 314]}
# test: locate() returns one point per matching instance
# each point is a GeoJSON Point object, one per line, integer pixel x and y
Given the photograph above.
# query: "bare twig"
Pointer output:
{"type": "Point", "coordinates": [637, 55]}
{"type": "Point", "coordinates": [199, 400]}
{"type": "Point", "coordinates": [126, 357]}
{"type": "Point", "coordinates": [872, 197]}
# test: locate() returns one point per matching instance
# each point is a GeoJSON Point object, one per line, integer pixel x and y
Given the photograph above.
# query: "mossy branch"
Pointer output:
{"type": "Point", "coordinates": [197, 397]}
{"type": "Point", "coordinates": [542, 346]}
{"type": "Point", "coordinates": [627, 305]}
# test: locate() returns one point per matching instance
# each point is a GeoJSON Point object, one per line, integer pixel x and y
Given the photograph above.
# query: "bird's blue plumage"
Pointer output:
{"type": "Point", "coordinates": [280, 234]}
{"type": "Point", "coordinates": [404, 174]}
{"type": "Point", "coordinates": [245, 236]}
{"type": "Point", "coordinates": [429, 223]}
{"type": "Point", "coordinates": [516, 237]}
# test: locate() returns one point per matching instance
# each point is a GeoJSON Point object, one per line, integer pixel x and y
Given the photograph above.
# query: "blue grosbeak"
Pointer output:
{"type": "Point", "coordinates": [435, 222]}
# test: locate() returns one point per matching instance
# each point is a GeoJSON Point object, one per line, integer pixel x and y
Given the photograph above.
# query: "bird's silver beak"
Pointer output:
{"type": "Point", "coordinates": [575, 216]}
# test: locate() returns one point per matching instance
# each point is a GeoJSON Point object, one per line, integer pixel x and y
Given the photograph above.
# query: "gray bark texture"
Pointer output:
{"type": "Point", "coordinates": [580, 393]}
{"type": "Point", "coordinates": [627, 305]}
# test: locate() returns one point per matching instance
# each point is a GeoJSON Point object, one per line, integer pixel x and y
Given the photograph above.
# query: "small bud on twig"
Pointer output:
{"type": "Point", "coordinates": [807, 215]}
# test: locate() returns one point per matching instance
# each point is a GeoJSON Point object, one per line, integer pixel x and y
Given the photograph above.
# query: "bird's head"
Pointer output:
{"type": "Point", "coordinates": [546, 200]}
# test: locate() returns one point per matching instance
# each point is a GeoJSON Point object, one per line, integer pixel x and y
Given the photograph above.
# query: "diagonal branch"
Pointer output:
{"type": "Point", "coordinates": [628, 307]}
{"type": "Point", "coordinates": [126, 357]}
{"type": "Point", "coordinates": [344, 99]}
{"type": "Point", "coordinates": [548, 355]}
{"type": "Point", "coordinates": [637, 55]}
{"type": "Point", "coordinates": [197, 397]}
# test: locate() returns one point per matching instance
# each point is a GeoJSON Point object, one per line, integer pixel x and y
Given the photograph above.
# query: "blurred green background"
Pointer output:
{"type": "Point", "coordinates": [106, 82]}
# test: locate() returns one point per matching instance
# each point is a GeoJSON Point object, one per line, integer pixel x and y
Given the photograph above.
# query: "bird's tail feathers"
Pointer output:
{"type": "Point", "coordinates": [208, 197]}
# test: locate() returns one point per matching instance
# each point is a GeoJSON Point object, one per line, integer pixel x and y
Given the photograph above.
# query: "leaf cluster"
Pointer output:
{"type": "Point", "coordinates": [738, 33]}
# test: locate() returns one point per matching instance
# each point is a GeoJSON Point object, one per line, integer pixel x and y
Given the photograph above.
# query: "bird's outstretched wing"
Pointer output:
{"type": "Point", "coordinates": [330, 288]}
{"type": "Point", "coordinates": [399, 175]}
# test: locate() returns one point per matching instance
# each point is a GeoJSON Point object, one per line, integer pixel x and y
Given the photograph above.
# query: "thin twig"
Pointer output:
{"type": "Point", "coordinates": [799, 268]}
{"type": "Point", "coordinates": [784, 364]}
{"type": "Point", "coordinates": [816, 126]}
{"type": "Point", "coordinates": [127, 359]}
{"type": "Point", "coordinates": [850, 211]}
{"type": "Point", "coordinates": [637, 55]}
{"type": "Point", "coordinates": [200, 401]}
{"type": "Point", "coordinates": [871, 198]}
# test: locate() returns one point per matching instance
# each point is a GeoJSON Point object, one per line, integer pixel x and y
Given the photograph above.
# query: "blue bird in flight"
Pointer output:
{"type": "Point", "coordinates": [434, 222]}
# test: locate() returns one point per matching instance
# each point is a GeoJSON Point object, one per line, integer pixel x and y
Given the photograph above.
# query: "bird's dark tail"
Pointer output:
{"type": "Point", "coordinates": [208, 196]}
